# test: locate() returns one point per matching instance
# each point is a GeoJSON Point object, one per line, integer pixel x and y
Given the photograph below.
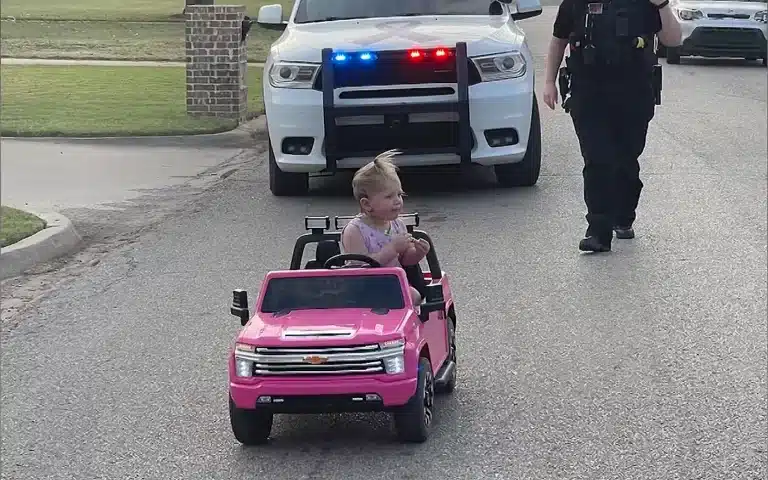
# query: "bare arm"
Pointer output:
{"type": "Point", "coordinates": [670, 34]}
{"type": "Point", "coordinates": [352, 241]}
{"type": "Point", "coordinates": [554, 59]}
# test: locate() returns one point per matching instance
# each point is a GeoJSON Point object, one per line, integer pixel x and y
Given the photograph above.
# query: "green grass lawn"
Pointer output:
{"type": "Point", "coordinates": [105, 101]}
{"type": "Point", "coordinates": [110, 29]}
{"type": "Point", "coordinates": [115, 10]}
{"type": "Point", "coordinates": [17, 225]}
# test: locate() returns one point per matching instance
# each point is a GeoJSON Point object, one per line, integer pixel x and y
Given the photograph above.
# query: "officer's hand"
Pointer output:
{"type": "Point", "coordinates": [550, 95]}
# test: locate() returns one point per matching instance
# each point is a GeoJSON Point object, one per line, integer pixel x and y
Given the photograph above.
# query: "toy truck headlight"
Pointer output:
{"type": "Point", "coordinates": [293, 75]}
{"type": "Point", "coordinates": [393, 356]}
{"type": "Point", "coordinates": [501, 66]}
{"type": "Point", "coordinates": [762, 16]}
{"type": "Point", "coordinates": [243, 365]}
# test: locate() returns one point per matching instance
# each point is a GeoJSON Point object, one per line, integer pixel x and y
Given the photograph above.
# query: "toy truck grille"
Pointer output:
{"type": "Point", "coordinates": [363, 359]}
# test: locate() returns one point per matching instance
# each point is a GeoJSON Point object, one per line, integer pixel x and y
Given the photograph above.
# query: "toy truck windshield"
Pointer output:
{"type": "Point", "coordinates": [374, 292]}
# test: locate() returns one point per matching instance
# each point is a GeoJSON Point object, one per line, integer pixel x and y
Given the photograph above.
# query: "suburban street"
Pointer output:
{"type": "Point", "coordinates": [645, 363]}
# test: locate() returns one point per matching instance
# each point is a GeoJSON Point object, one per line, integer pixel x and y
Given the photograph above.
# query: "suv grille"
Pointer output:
{"type": "Point", "coordinates": [364, 359]}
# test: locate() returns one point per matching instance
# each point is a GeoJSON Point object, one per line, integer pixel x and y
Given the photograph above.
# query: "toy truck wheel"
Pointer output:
{"type": "Point", "coordinates": [250, 427]}
{"type": "Point", "coordinates": [526, 172]}
{"type": "Point", "coordinates": [285, 183]}
{"type": "Point", "coordinates": [413, 421]}
{"type": "Point", "coordinates": [450, 385]}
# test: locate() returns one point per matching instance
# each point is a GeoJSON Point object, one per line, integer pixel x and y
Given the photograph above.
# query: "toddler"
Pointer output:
{"type": "Point", "coordinates": [377, 232]}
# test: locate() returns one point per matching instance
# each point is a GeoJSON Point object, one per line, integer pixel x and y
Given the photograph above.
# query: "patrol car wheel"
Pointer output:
{"type": "Point", "coordinates": [526, 172]}
{"type": "Point", "coordinates": [250, 427]}
{"type": "Point", "coordinates": [285, 183]}
{"type": "Point", "coordinates": [673, 56]}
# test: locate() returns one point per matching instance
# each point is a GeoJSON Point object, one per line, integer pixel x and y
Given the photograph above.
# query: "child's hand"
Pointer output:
{"type": "Point", "coordinates": [401, 243]}
{"type": "Point", "coordinates": [421, 246]}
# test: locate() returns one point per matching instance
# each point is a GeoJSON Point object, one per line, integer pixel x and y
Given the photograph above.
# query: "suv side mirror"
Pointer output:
{"type": "Point", "coordinates": [271, 17]}
{"type": "Point", "coordinates": [434, 301]}
{"type": "Point", "coordinates": [239, 306]}
{"type": "Point", "coordinates": [523, 9]}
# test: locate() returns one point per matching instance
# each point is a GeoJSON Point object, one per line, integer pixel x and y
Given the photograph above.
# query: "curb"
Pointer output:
{"type": "Point", "coordinates": [58, 238]}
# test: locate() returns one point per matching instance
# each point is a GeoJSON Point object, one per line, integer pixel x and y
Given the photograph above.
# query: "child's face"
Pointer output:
{"type": "Point", "coordinates": [386, 203]}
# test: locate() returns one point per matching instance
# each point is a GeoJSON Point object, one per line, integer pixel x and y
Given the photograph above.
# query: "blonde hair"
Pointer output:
{"type": "Point", "coordinates": [370, 178]}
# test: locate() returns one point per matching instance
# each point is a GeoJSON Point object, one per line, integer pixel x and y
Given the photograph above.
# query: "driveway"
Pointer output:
{"type": "Point", "coordinates": [645, 363]}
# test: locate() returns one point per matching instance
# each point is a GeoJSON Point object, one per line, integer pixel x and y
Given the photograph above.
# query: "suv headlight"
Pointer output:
{"type": "Point", "coordinates": [500, 66]}
{"type": "Point", "coordinates": [293, 75]}
{"type": "Point", "coordinates": [762, 16]}
{"type": "Point", "coordinates": [688, 14]}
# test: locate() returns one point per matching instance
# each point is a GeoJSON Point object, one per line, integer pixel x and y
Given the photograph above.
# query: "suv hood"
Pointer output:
{"type": "Point", "coordinates": [297, 327]}
{"type": "Point", "coordinates": [483, 34]}
{"type": "Point", "coordinates": [723, 7]}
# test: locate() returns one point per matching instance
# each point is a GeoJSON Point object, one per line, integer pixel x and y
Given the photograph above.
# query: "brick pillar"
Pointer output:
{"type": "Point", "coordinates": [216, 62]}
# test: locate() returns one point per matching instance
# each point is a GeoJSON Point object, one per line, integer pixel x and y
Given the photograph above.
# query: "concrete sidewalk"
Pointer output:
{"type": "Point", "coordinates": [102, 63]}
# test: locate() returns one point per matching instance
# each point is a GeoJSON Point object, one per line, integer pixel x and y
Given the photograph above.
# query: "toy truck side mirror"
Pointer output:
{"type": "Point", "coordinates": [239, 306]}
{"type": "Point", "coordinates": [434, 301]}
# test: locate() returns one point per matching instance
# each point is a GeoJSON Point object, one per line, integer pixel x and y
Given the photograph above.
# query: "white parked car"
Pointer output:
{"type": "Point", "coordinates": [720, 28]}
{"type": "Point", "coordinates": [445, 81]}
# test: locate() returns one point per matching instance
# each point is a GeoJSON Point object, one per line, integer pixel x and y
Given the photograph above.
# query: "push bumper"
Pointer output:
{"type": "Point", "coordinates": [458, 129]}
{"type": "Point", "coordinates": [355, 394]}
{"type": "Point", "coordinates": [713, 40]}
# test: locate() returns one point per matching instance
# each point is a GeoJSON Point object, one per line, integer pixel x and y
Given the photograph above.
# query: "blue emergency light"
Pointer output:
{"type": "Point", "coordinates": [366, 57]}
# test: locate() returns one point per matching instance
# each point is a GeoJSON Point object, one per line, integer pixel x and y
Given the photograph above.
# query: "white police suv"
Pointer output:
{"type": "Point", "coordinates": [445, 81]}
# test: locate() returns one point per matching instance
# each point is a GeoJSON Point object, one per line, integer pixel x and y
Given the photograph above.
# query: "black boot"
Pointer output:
{"type": "Point", "coordinates": [594, 244]}
{"type": "Point", "coordinates": [624, 232]}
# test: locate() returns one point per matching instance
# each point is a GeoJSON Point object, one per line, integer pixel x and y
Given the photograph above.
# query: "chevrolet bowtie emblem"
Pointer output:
{"type": "Point", "coordinates": [315, 359]}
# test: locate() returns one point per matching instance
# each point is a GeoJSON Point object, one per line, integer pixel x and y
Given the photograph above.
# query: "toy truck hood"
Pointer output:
{"type": "Point", "coordinates": [483, 34]}
{"type": "Point", "coordinates": [302, 327]}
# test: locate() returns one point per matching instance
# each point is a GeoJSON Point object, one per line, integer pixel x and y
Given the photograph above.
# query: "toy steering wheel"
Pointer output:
{"type": "Point", "coordinates": [338, 260]}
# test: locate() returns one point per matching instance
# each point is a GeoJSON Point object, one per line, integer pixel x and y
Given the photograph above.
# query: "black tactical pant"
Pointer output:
{"type": "Point", "coordinates": [612, 131]}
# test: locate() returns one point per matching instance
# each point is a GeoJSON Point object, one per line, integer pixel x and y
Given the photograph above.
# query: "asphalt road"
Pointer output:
{"type": "Point", "coordinates": [645, 363]}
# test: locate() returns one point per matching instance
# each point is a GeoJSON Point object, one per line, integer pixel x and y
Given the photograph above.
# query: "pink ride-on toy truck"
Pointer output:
{"type": "Point", "coordinates": [333, 338]}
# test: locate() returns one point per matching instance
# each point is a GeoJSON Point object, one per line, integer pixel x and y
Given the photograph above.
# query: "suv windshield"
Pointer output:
{"type": "Point", "coordinates": [348, 291]}
{"type": "Point", "coordinates": [327, 10]}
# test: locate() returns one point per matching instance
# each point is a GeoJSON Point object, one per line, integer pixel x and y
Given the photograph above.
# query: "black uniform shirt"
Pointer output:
{"type": "Point", "coordinates": [565, 24]}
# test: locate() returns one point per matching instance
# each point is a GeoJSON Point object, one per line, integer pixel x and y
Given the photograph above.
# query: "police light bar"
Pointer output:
{"type": "Point", "coordinates": [317, 223]}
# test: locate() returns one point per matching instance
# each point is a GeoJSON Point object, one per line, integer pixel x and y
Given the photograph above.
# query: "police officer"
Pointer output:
{"type": "Point", "coordinates": [614, 82]}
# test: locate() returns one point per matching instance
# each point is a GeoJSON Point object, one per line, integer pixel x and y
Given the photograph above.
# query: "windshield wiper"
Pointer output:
{"type": "Point", "coordinates": [331, 19]}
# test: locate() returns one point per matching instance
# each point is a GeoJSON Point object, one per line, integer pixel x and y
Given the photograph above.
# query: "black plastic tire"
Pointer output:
{"type": "Point", "coordinates": [673, 56]}
{"type": "Point", "coordinates": [526, 172]}
{"type": "Point", "coordinates": [413, 421]}
{"type": "Point", "coordinates": [284, 184]}
{"type": "Point", "coordinates": [450, 385]}
{"type": "Point", "coordinates": [250, 427]}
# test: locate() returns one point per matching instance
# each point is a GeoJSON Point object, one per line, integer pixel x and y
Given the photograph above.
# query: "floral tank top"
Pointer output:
{"type": "Point", "coordinates": [375, 239]}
